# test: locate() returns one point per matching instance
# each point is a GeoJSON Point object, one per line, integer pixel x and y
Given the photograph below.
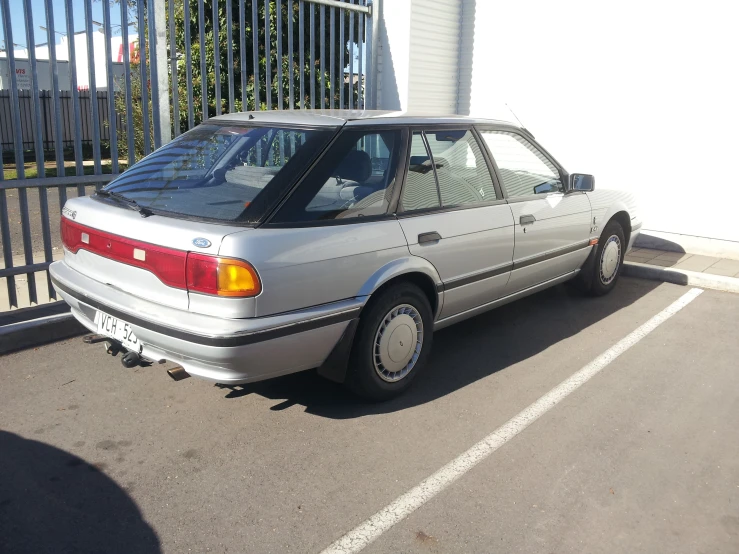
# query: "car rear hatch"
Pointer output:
{"type": "Point", "coordinates": [145, 257]}
{"type": "Point", "coordinates": [155, 231]}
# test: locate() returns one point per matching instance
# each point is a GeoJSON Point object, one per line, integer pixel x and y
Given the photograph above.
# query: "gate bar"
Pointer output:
{"type": "Point", "coordinates": [76, 112]}
{"type": "Point", "coordinates": [301, 52]}
{"type": "Point", "coordinates": [332, 60]}
{"type": "Point", "coordinates": [173, 69]}
{"type": "Point", "coordinates": [217, 57]}
{"type": "Point", "coordinates": [351, 58]}
{"type": "Point", "coordinates": [93, 86]}
{"type": "Point", "coordinates": [267, 55]}
{"type": "Point", "coordinates": [278, 40]}
{"type": "Point", "coordinates": [291, 69]}
{"type": "Point", "coordinates": [203, 74]}
{"type": "Point", "coordinates": [255, 52]}
{"type": "Point", "coordinates": [127, 82]}
{"type": "Point", "coordinates": [38, 144]}
{"type": "Point", "coordinates": [112, 119]}
{"type": "Point", "coordinates": [312, 56]}
{"type": "Point", "coordinates": [188, 66]}
{"type": "Point", "coordinates": [322, 66]}
{"type": "Point", "coordinates": [18, 139]}
{"type": "Point", "coordinates": [242, 55]}
{"type": "Point", "coordinates": [144, 88]}
{"type": "Point", "coordinates": [341, 58]}
{"type": "Point", "coordinates": [229, 54]}
{"type": "Point", "coordinates": [54, 71]}
{"type": "Point", "coordinates": [360, 75]}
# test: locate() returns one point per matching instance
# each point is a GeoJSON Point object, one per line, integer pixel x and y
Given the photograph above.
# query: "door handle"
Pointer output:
{"type": "Point", "coordinates": [433, 236]}
{"type": "Point", "coordinates": [527, 219]}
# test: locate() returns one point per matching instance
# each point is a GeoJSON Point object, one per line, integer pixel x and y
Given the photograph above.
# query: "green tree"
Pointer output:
{"type": "Point", "coordinates": [288, 71]}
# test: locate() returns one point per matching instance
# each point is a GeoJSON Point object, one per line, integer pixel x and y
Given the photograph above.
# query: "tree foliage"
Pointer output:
{"type": "Point", "coordinates": [288, 9]}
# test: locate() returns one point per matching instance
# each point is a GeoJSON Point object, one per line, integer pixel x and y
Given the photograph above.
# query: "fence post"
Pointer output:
{"type": "Point", "coordinates": [158, 66]}
{"type": "Point", "coordinates": [373, 42]}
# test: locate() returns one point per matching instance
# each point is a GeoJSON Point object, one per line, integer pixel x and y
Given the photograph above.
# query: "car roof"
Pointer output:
{"type": "Point", "coordinates": [336, 118]}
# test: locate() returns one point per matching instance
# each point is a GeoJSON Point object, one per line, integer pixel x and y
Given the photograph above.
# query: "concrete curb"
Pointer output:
{"type": "Point", "coordinates": [681, 277]}
{"type": "Point", "coordinates": [28, 334]}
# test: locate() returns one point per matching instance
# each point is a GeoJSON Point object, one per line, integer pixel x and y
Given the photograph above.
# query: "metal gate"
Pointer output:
{"type": "Point", "coordinates": [77, 111]}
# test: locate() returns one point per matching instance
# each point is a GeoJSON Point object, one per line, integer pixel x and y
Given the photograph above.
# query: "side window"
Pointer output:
{"type": "Point", "coordinates": [420, 191]}
{"type": "Point", "coordinates": [524, 170]}
{"type": "Point", "coordinates": [464, 175]}
{"type": "Point", "coordinates": [353, 179]}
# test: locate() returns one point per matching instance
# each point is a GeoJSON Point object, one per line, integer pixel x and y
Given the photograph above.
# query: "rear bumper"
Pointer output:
{"type": "Point", "coordinates": [229, 351]}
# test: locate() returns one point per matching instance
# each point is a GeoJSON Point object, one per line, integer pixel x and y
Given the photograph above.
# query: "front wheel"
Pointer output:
{"type": "Point", "coordinates": [392, 342]}
{"type": "Point", "coordinates": [609, 258]}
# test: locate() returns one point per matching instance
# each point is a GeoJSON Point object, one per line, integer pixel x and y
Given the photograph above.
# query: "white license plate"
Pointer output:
{"type": "Point", "coordinates": [117, 329]}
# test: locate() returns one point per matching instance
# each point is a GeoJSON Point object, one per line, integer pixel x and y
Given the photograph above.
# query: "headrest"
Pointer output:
{"type": "Point", "coordinates": [356, 166]}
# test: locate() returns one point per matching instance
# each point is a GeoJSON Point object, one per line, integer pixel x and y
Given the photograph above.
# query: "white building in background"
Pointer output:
{"type": "Point", "coordinates": [641, 94]}
{"type": "Point", "coordinates": [23, 66]}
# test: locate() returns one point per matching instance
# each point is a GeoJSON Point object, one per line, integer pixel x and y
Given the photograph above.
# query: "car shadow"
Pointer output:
{"type": "Point", "coordinates": [51, 501]}
{"type": "Point", "coordinates": [462, 353]}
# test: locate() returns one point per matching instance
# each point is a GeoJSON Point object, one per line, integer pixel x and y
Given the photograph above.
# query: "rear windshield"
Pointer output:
{"type": "Point", "coordinates": [225, 172]}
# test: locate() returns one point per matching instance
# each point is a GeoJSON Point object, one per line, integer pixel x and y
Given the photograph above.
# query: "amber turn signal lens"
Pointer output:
{"type": "Point", "coordinates": [237, 278]}
{"type": "Point", "coordinates": [221, 276]}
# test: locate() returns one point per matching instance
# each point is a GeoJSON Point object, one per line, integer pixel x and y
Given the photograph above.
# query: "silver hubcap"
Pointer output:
{"type": "Point", "coordinates": [610, 259]}
{"type": "Point", "coordinates": [398, 343]}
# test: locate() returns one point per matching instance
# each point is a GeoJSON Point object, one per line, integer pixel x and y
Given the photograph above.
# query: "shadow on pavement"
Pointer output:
{"type": "Point", "coordinates": [53, 501]}
{"type": "Point", "coordinates": [465, 352]}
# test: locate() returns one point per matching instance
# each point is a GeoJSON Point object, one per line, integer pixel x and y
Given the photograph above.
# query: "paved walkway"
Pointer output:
{"type": "Point", "coordinates": [689, 262]}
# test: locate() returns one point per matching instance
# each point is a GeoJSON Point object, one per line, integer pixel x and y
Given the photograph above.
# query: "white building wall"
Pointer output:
{"type": "Point", "coordinates": [419, 55]}
{"type": "Point", "coordinates": [644, 95]}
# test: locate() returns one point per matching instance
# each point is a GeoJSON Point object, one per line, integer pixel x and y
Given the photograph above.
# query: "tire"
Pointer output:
{"type": "Point", "coordinates": [383, 362]}
{"type": "Point", "coordinates": [608, 261]}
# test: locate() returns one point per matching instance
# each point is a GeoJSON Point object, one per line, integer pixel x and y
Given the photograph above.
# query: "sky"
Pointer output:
{"type": "Point", "coordinates": [38, 13]}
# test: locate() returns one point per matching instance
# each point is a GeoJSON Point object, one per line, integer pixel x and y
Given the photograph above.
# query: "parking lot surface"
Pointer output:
{"type": "Point", "coordinates": [643, 457]}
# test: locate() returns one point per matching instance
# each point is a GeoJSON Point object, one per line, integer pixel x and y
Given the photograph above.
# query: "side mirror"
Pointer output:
{"type": "Point", "coordinates": [581, 182]}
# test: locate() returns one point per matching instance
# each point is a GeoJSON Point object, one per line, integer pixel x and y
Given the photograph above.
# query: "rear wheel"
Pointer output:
{"type": "Point", "coordinates": [392, 343]}
{"type": "Point", "coordinates": [609, 258]}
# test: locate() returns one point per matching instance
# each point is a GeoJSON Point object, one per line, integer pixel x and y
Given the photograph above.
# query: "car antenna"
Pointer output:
{"type": "Point", "coordinates": [519, 121]}
{"type": "Point", "coordinates": [251, 116]}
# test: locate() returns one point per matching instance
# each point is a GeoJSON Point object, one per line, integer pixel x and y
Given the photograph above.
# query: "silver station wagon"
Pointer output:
{"type": "Point", "coordinates": [265, 243]}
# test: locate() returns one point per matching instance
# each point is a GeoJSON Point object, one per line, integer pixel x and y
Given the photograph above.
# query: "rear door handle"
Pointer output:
{"type": "Point", "coordinates": [527, 219]}
{"type": "Point", "coordinates": [433, 236]}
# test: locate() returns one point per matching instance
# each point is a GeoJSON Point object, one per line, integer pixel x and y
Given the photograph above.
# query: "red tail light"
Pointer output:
{"type": "Point", "coordinates": [176, 268]}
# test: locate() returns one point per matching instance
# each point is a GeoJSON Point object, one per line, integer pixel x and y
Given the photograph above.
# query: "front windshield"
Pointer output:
{"type": "Point", "coordinates": [225, 172]}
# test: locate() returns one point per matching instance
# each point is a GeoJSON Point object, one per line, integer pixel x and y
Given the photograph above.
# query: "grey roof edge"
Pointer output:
{"type": "Point", "coordinates": [335, 118]}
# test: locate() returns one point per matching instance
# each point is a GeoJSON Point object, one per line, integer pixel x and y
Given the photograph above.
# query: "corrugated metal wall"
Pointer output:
{"type": "Point", "coordinates": [434, 55]}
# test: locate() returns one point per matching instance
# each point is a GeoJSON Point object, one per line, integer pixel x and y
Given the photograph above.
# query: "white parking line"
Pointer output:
{"type": "Point", "coordinates": [362, 535]}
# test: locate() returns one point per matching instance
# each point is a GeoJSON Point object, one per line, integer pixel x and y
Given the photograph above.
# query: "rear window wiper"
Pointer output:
{"type": "Point", "coordinates": [144, 212]}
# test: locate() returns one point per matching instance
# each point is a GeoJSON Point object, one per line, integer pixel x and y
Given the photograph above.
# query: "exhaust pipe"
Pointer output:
{"type": "Point", "coordinates": [178, 373]}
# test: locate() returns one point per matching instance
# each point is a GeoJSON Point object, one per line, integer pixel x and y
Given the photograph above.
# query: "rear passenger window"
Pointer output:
{"type": "Point", "coordinates": [523, 169]}
{"type": "Point", "coordinates": [353, 179]}
{"type": "Point", "coordinates": [464, 176]}
{"type": "Point", "coordinates": [450, 172]}
{"type": "Point", "coordinates": [420, 191]}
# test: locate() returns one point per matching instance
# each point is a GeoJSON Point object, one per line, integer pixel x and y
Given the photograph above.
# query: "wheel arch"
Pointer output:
{"type": "Point", "coordinates": [413, 269]}
{"type": "Point", "coordinates": [622, 217]}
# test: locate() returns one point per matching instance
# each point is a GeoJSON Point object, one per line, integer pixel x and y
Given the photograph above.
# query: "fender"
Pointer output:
{"type": "Point", "coordinates": [606, 203]}
{"type": "Point", "coordinates": [336, 364]}
{"type": "Point", "coordinates": [403, 266]}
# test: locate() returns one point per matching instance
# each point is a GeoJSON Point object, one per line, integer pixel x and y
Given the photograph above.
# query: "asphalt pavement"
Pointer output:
{"type": "Point", "coordinates": [643, 457]}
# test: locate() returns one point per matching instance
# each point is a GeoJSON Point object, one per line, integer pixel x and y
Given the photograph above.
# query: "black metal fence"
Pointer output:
{"type": "Point", "coordinates": [183, 62]}
{"type": "Point", "coordinates": [26, 106]}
